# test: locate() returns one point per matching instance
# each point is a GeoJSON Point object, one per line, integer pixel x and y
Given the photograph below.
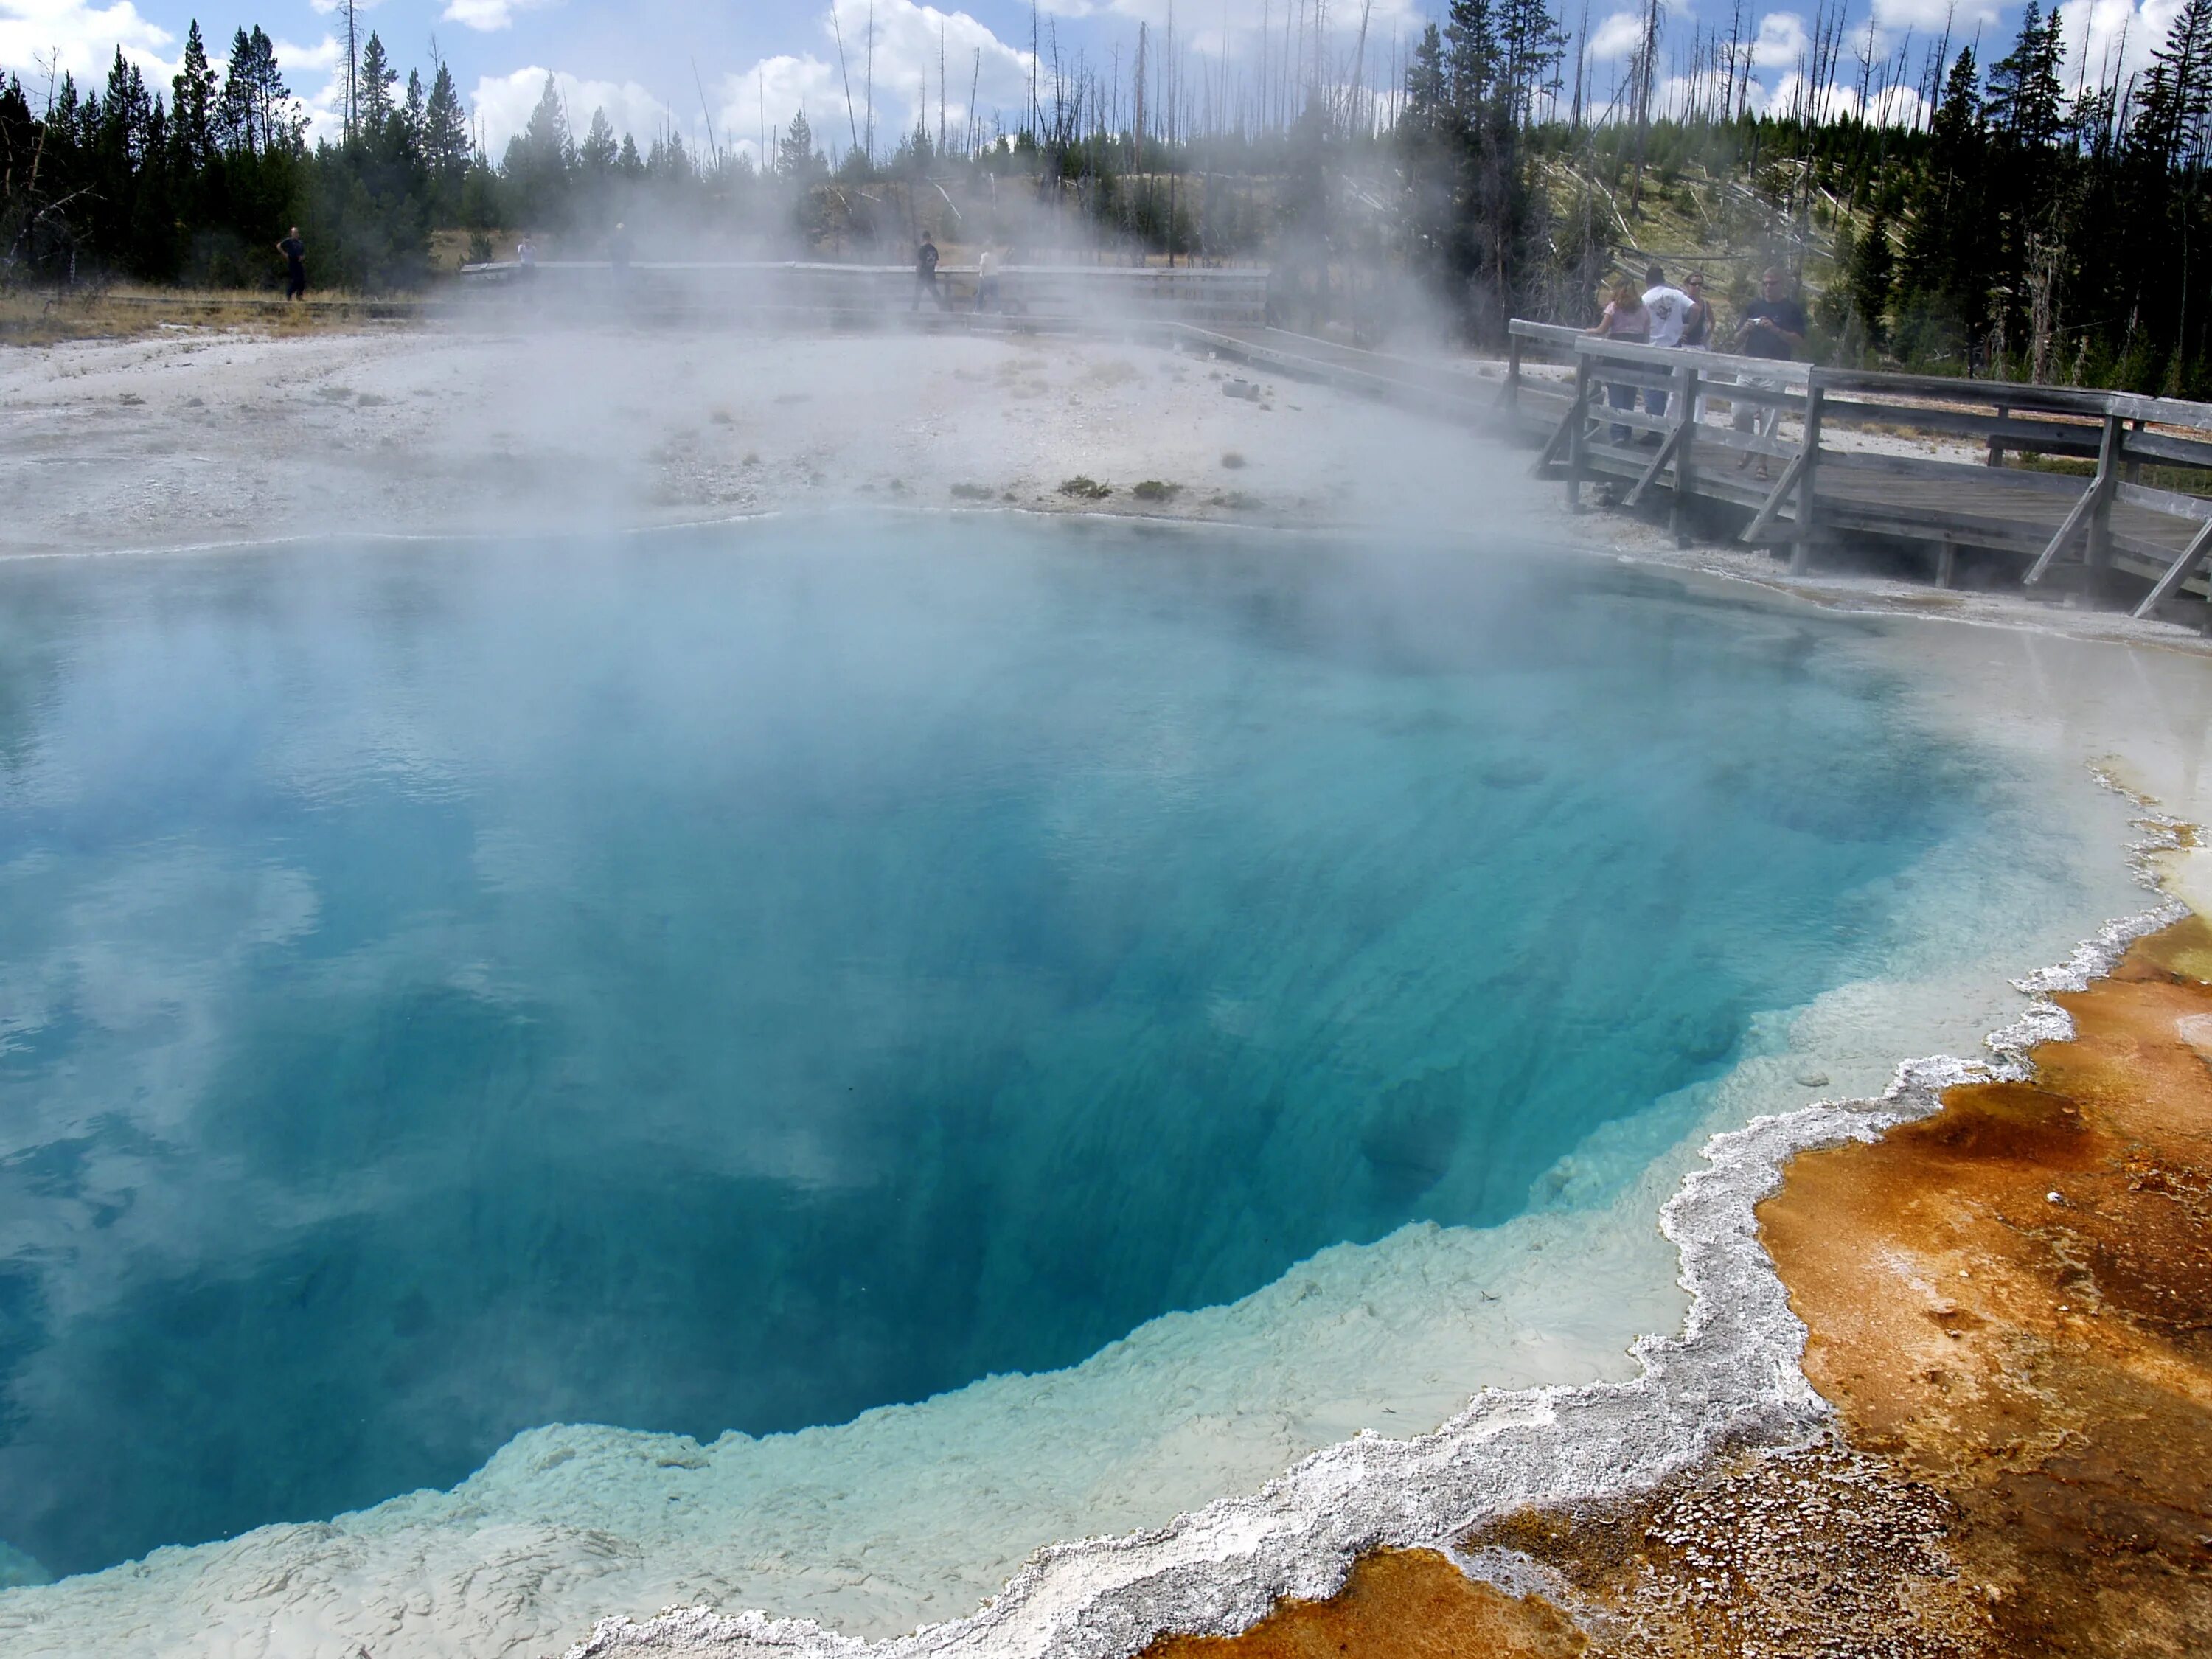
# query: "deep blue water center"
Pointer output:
{"type": "Point", "coordinates": [734, 979]}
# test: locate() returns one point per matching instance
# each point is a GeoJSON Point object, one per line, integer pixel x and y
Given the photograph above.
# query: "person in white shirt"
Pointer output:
{"type": "Point", "coordinates": [1670, 309]}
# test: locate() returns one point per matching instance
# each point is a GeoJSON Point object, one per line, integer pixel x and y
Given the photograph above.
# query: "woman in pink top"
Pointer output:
{"type": "Point", "coordinates": [1624, 320]}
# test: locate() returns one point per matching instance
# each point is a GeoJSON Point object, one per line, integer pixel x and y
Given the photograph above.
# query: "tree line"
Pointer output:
{"type": "Point", "coordinates": [2021, 227]}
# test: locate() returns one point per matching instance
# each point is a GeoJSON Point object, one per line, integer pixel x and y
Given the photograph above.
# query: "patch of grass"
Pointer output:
{"type": "Point", "coordinates": [1236, 501]}
{"type": "Point", "coordinates": [1112, 372]}
{"type": "Point", "coordinates": [1081, 488]}
{"type": "Point", "coordinates": [1232, 460]}
{"type": "Point", "coordinates": [1151, 489]}
{"type": "Point", "coordinates": [44, 316]}
{"type": "Point", "coordinates": [971, 492]}
{"type": "Point", "coordinates": [722, 418]}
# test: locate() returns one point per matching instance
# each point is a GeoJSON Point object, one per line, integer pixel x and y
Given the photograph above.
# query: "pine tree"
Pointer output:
{"type": "Point", "coordinates": [2027, 90]}
{"type": "Point", "coordinates": [1471, 62]}
{"type": "Point", "coordinates": [796, 156]}
{"type": "Point", "coordinates": [373, 97]}
{"type": "Point", "coordinates": [1869, 278]}
{"type": "Point", "coordinates": [411, 117]}
{"type": "Point", "coordinates": [444, 144]}
{"type": "Point", "coordinates": [193, 105]}
{"type": "Point", "coordinates": [598, 154]}
{"type": "Point", "coordinates": [1530, 44]}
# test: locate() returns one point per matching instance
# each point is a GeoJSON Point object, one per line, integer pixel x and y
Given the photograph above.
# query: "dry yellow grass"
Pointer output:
{"type": "Point", "coordinates": [41, 316]}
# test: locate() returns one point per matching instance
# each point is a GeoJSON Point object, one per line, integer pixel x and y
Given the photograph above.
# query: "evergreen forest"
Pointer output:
{"type": "Point", "coordinates": [2001, 221]}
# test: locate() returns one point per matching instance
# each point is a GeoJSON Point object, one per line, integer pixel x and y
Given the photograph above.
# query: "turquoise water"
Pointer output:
{"type": "Point", "coordinates": [735, 980]}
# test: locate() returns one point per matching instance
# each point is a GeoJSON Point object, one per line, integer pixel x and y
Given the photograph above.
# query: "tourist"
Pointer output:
{"type": "Point", "coordinates": [986, 278]}
{"type": "Point", "coordinates": [526, 257]}
{"type": "Point", "coordinates": [1773, 326]}
{"type": "Point", "coordinates": [1670, 309]}
{"type": "Point", "coordinates": [1697, 327]}
{"type": "Point", "coordinates": [618, 252]}
{"type": "Point", "coordinates": [925, 274]}
{"type": "Point", "coordinates": [1627, 321]}
{"type": "Point", "coordinates": [295, 266]}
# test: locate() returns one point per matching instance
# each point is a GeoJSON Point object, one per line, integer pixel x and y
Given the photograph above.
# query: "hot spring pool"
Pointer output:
{"type": "Point", "coordinates": [735, 981]}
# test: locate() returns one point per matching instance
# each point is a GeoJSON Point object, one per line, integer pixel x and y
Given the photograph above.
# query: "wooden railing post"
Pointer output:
{"type": "Point", "coordinates": [1577, 434]}
{"type": "Point", "coordinates": [1801, 554]}
{"type": "Point", "coordinates": [2098, 551]}
{"type": "Point", "coordinates": [1686, 478]}
{"type": "Point", "coordinates": [1996, 443]}
{"type": "Point", "coordinates": [1512, 378]}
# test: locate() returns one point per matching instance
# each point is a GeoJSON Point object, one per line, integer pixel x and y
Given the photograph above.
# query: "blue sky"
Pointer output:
{"type": "Point", "coordinates": [659, 63]}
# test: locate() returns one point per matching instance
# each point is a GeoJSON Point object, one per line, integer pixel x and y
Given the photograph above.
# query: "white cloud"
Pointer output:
{"type": "Point", "coordinates": [1929, 18]}
{"type": "Point", "coordinates": [1783, 43]}
{"type": "Point", "coordinates": [486, 16]}
{"type": "Point", "coordinates": [2108, 40]}
{"type": "Point", "coordinates": [68, 37]}
{"type": "Point", "coordinates": [502, 105]}
{"type": "Point", "coordinates": [911, 41]}
{"type": "Point", "coordinates": [1617, 36]}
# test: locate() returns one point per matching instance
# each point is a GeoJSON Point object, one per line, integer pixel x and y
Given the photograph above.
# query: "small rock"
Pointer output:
{"type": "Point", "coordinates": [1812, 1080]}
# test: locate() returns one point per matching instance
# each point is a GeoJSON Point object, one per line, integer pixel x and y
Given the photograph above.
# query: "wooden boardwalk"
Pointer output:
{"type": "Point", "coordinates": [1837, 450]}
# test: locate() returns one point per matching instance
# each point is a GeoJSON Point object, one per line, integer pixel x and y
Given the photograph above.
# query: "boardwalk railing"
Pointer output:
{"type": "Point", "coordinates": [1812, 453]}
{"type": "Point", "coordinates": [1232, 294]}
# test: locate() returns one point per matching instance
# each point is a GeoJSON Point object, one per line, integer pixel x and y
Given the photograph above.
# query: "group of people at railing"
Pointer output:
{"type": "Point", "coordinates": [1659, 313]}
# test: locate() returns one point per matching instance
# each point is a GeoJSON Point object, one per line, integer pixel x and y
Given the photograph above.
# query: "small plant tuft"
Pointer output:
{"type": "Point", "coordinates": [1081, 488]}
{"type": "Point", "coordinates": [1153, 490]}
{"type": "Point", "coordinates": [1232, 460]}
{"type": "Point", "coordinates": [971, 492]}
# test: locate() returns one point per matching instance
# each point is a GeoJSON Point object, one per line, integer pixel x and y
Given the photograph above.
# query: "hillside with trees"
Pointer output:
{"type": "Point", "coordinates": [2004, 224]}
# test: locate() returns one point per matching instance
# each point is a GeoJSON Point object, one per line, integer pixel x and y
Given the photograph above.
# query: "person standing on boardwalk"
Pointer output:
{"type": "Point", "coordinates": [1670, 311]}
{"type": "Point", "coordinates": [1627, 321]}
{"type": "Point", "coordinates": [295, 266]}
{"type": "Point", "coordinates": [986, 278]}
{"type": "Point", "coordinates": [1774, 326]}
{"type": "Point", "coordinates": [1697, 327]}
{"type": "Point", "coordinates": [925, 274]}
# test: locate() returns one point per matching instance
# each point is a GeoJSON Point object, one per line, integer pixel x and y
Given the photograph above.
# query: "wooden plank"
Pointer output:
{"type": "Point", "coordinates": [2178, 572]}
{"type": "Point", "coordinates": [1766, 516]}
{"type": "Point", "coordinates": [2164, 447]}
{"type": "Point", "coordinates": [1667, 450]}
{"type": "Point", "coordinates": [2048, 436]}
{"type": "Point", "coordinates": [2074, 522]}
{"type": "Point", "coordinates": [2164, 500]}
{"type": "Point", "coordinates": [1556, 442]}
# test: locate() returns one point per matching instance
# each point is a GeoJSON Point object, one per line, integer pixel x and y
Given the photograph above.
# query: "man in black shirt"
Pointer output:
{"type": "Point", "coordinates": [925, 274]}
{"type": "Point", "coordinates": [1773, 326]}
{"type": "Point", "coordinates": [1774, 323]}
{"type": "Point", "coordinates": [295, 264]}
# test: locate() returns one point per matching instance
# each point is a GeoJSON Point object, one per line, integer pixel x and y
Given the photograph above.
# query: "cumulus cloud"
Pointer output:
{"type": "Point", "coordinates": [1782, 43]}
{"type": "Point", "coordinates": [911, 42]}
{"type": "Point", "coordinates": [487, 17]}
{"type": "Point", "coordinates": [1931, 17]}
{"type": "Point", "coordinates": [38, 37]}
{"type": "Point", "coordinates": [2109, 41]}
{"type": "Point", "coordinates": [502, 104]}
{"type": "Point", "coordinates": [1617, 36]}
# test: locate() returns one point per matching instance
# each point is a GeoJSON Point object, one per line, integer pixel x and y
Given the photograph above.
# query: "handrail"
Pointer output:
{"type": "Point", "coordinates": [2015, 395]}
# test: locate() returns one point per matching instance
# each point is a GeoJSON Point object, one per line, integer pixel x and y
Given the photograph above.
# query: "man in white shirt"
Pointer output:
{"type": "Point", "coordinates": [1670, 309]}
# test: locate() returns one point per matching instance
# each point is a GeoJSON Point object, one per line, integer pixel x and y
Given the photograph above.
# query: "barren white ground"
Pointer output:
{"type": "Point", "coordinates": [916, 1515]}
